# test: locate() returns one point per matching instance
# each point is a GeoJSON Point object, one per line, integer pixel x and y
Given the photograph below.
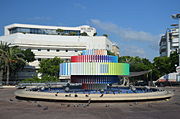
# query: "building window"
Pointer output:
{"type": "Point", "coordinates": [75, 50]}
{"type": "Point", "coordinates": [66, 50]}
{"type": "Point", "coordinates": [48, 50]}
{"type": "Point", "coordinates": [57, 50]}
{"type": "Point", "coordinates": [39, 49]}
{"type": "Point", "coordinates": [39, 59]}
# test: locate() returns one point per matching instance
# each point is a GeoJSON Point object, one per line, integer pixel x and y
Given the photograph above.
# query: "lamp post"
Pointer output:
{"type": "Point", "coordinates": [168, 41]}
{"type": "Point", "coordinates": [177, 16]}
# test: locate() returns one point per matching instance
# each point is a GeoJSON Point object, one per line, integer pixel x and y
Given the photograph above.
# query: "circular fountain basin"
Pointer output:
{"type": "Point", "coordinates": [110, 94]}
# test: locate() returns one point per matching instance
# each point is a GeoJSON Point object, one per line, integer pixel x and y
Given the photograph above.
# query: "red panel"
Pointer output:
{"type": "Point", "coordinates": [92, 58]}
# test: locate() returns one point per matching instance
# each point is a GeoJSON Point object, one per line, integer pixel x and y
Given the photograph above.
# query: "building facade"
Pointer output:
{"type": "Point", "coordinates": [50, 41]}
{"type": "Point", "coordinates": [169, 42]}
{"type": "Point", "coordinates": [115, 50]}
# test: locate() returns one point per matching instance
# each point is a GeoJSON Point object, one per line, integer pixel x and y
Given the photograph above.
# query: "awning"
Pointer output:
{"type": "Point", "coordinates": [133, 74]}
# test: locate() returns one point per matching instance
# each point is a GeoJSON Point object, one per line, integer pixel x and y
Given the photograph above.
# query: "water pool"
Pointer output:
{"type": "Point", "coordinates": [109, 90]}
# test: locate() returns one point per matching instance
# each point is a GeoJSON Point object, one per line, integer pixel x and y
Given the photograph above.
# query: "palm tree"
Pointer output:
{"type": "Point", "coordinates": [9, 56]}
{"type": "Point", "coordinates": [4, 47]}
{"type": "Point", "coordinates": [1, 70]}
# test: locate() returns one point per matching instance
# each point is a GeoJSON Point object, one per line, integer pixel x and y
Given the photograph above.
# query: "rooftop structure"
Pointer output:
{"type": "Point", "coordinates": [48, 30]}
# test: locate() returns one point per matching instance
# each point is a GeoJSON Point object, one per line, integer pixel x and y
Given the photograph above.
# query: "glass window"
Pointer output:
{"type": "Point", "coordinates": [40, 31]}
{"type": "Point", "coordinates": [57, 50]}
{"type": "Point", "coordinates": [48, 50]}
{"type": "Point", "coordinates": [66, 50]}
{"type": "Point", "coordinates": [39, 49]}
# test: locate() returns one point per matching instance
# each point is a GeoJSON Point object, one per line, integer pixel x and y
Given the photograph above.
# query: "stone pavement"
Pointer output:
{"type": "Point", "coordinates": [12, 108]}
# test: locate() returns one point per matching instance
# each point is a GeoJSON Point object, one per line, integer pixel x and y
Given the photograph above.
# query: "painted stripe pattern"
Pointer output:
{"type": "Point", "coordinates": [94, 69]}
{"type": "Point", "coordinates": [94, 52]}
{"type": "Point", "coordinates": [94, 58]}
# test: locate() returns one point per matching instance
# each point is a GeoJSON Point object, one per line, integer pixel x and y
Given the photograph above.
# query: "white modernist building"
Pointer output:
{"type": "Point", "coordinates": [169, 42]}
{"type": "Point", "coordinates": [48, 42]}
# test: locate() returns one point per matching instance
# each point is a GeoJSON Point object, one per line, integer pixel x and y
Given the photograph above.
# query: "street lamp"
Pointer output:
{"type": "Point", "coordinates": [177, 16]}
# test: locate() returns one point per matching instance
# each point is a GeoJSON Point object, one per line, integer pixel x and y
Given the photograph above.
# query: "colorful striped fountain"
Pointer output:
{"type": "Point", "coordinates": [94, 69]}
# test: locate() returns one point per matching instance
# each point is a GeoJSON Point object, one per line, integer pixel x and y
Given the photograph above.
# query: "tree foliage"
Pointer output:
{"type": "Point", "coordinates": [162, 64]}
{"type": "Point", "coordinates": [12, 59]}
{"type": "Point", "coordinates": [110, 53]}
{"type": "Point", "coordinates": [174, 60]}
{"type": "Point", "coordinates": [136, 63]}
{"type": "Point", "coordinates": [29, 55]}
{"type": "Point", "coordinates": [159, 67]}
{"type": "Point", "coordinates": [84, 34]}
{"type": "Point", "coordinates": [60, 31]}
{"type": "Point", "coordinates": [50, 67]}
{"type": "Point", "coordinates": [44, 79]}
{"type": "Point", "coordinates": [165, 65]}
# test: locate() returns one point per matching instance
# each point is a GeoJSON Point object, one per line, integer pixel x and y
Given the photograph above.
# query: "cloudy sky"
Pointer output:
{"type": "Point", "coordinates": [135, 25]}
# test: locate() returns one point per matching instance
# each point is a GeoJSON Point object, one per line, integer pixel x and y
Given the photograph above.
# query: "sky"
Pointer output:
{"type": "Point", "coordinates": [134, 25]}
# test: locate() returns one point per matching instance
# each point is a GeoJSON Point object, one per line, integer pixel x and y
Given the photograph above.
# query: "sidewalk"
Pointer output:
{"type": "Point", "coordinates": [7, 87]}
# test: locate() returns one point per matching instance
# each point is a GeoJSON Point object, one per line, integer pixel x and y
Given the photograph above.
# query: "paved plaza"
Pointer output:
{"type": "Point", "coordinates": [12, 108]}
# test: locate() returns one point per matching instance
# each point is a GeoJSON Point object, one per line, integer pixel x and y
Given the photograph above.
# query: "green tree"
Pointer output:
{"type": "Point", "coordinates": [161, 65]}
{"type": "Point", "coordinates": [60, 31]}
{"type": "Point", "coordinates": [44, 79]}
{"type": "Point", "coordinates": [50, 66]}
{"type": "Point", "coordinates": [110, 53]}
{"type": "Point", "coordinates": [11, 59]}
{"type": "Point", "coordinates": [29, 55]}
{"type": "Point", "coordinates": [84, 34]}
{"type": "Point", "coordinates": [125, 59]}
{"type": "Point", "coordinates": [136, 63]}
{"type": "Point", "coordinates": [174, 60]}
{"type": "Point", "coordinates": [165, 65]}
